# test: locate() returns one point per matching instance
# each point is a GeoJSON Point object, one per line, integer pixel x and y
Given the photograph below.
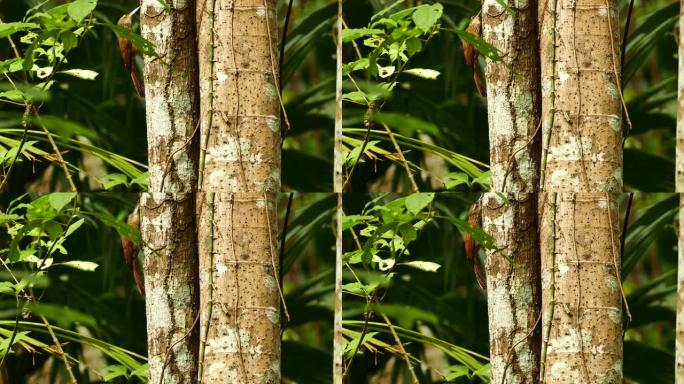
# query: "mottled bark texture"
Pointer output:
{"type": "Point", "coordinates": [513, 95]}
{"type": "Point", "coordinates": [581, 154]}
{"type": "Point", "coordinates": [171, 286]}
{"type": "Point", "coordinates": [582, 312]}
{"type": "Point", "coordinates": [167, 211]}
{"type": "Point", "coordinates": [237, 247]}
{"type": "Point", "coordinates": [679, 342]}
{"type": "Point", "coordinates": [679, 182]}
{"type": "Point", "coordinates": [240, 110]}
{"type": "Point", "coordinates": [239, 180]}
{"type": "Point", "coordinates": [513, 283]}
{"type": "Point", "coordinates": [581, 105]}
{"type": "Point", "coordinates": [513, 287]}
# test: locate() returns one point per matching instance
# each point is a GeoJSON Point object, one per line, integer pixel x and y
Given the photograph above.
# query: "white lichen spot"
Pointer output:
{"type": "Point", "coordinates": [602, 203]}
{"type": "Point", "coordinates": [271, 375]}
{"type": "Point", "coordinates": [273, 123]}
{"type": "Point", "coordinates": [273, 314]}
{"type": "Point", "coordinates": [157, 309]}
{"type": "Point", "coordinates": [615, 122]}
{"type": "Point", "coordinates": [216, 176]}
{"type": "Point", "coordinates": [221, 268]}
{"type": "Point", "coordinates": [260, 203]}
{"type": "Point", "coordinates": [270, 90]}
{"type": "Point", "coordinates": [615, 315]}
{"type": "Point", "coordinates": [503, 318]}
{"type": "Point", "coordinates": [613, 91]}
{"type": "Point", "coordinates": [617, 179]}
{"type": "Point", "coordinates": [261, 11]}
{"type": "Point", "coordinates": [221, 76]}
{"type": "Point", "coordinates": [560, 176]}
{"type": "Point", "coordinates": [570, 342]}
{"type": "Point", "coordinates": [570, 151]}
{"type": "Point", "coordinates": [563, 268]}
{"type": "Point", "coordinates": [229, 343]}
{"type": "Point", "coordinates": [229, 151]}
{"type": "Point", "coordinates": [602, 11]}
{"type": "Point", "coordinates": [563, 75]}
{"type": "Point", "coordinates": [270, 283]}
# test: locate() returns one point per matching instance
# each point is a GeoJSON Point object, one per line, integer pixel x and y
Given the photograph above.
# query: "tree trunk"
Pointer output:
{"type": "Point", "coordinates": [581, 176]}
{"type": "Point", "coordinates": [513, 285]}
{"type": "Point", "coordinates": [581, 97]}
{"type": "Point", "coordinates": [679, 343]}
{"type": "Point", "coordinates": [167, 210]}
{"type": "Point", "coordinates": [239, 181]}
{"type": "Point", "coordinates": [582, 314]}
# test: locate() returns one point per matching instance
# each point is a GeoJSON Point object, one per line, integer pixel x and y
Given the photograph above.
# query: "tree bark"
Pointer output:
{"type": "Point", "coordinates": [239, 181]}
{"type": "Point", "coordinates": [167, 210]}
{"type": "Point", "coordinates": [581, 97]}
{"type": "Point", "coordinates": [582, 314]}
{"type": "Point", "coordinates": [581, 176]}
{"type": "Point", "coordinates": [679, 342]}
{"type": "Point", "coordinates": [513, 281]}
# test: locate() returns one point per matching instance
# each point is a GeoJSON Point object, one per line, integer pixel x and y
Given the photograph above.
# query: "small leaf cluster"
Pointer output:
{"type": "Point", "coordinates": [45, 37]}
{"type": "Point", "coordinates": [392, 39]}
{"type": "Point", "coordinates": [387, 230]}
{"type": "Point", "coordinates": [37, 231]}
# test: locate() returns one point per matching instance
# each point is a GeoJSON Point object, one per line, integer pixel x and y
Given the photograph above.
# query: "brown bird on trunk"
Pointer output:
{"type": "Point", "coordinates": [471, 53]}
{"type": "Point", "coordinates": [130, 252]}
{"type": "Point", "coordinates": [471, 246]}
{"type": "Point", "coordinates": [128, 52]}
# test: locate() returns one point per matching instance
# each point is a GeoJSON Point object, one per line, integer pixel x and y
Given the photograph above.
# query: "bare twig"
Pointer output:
{"type": "Point", "coordinates": [60, 351]}
{"type": "Point", "coordinates": [414, 187]}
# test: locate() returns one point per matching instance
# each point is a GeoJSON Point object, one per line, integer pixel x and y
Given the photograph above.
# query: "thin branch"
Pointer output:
{"type": "Point", "coordinates": [414, 187]}
{"type": "Point", "coordinates": [60, 351]}
{"type": "Point", "coordinates": [402, 351]}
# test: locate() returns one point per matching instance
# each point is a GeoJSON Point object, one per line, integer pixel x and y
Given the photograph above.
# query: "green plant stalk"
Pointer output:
{"type": "Point", "coordinates": [552, 112]}
{"type": "Point", "coordinates": [210, 95]}
{"type": "Point", "coordinates": [210, 278]}
{"type": "Point", "coordinates": [552, 283]}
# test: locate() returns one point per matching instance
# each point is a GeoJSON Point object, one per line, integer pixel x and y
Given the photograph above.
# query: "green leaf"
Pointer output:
{"type": "Point", "coordinates": [59, 200]}
{"type": "Point", "coordinates": [418, 201]}
{"type": "Point", "coordinates": [7, 29]}
{"type": "Point", "coordinates": [111, 180]}
{"type": "Point", "coordinates": [456, 371]}
{"type": "Point", "coordinates": [455, 179]}
{"type": "Point", "coordinates": [111, 372]}
{"type": "Point", "coordinates": [85, 74]}
{"type": "Point", "coordinates": [80, 9]}
{"type": "Point", "coordinates": [425, 16]}
{"type": "Point", "coordinates": [355, 33]}
{"type": "Point", "coordinates": [423, 72]}
{"type": "Point", "coordinates": [356, 96]}
{"type": "Point", "coordinates": [73, 227]}
{"type": "Point", "coordinates": [427, 266]}
{"type": "Point", "coordinates": [82, 265]}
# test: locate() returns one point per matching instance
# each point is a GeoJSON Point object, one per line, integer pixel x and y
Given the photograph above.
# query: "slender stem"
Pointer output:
{"type": "Point", "coordinates": [552, 97]}
{"type": "Point", "coordinates": [414, 187]}
{"type": "Point", "coordinates": [60, 351]}
{"type": "Point", "coordinates": [402, 351]}
{"type": "Point", "coordinates": [210, 97]}
{"type": "Point", "coordinates": [552, 291]}
{"type": "Point", "coordinates": [210, 287]}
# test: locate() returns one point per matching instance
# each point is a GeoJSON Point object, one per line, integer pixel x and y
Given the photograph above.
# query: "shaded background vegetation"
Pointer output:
{"type": "Point", "coordinates": [449, 112]}
{"type": "Point", "coordinates": [107, 113]}
{"type": "Point", "coordinates": [106, 305]}
{"type": "Point", "coordinates": [449, 306]}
